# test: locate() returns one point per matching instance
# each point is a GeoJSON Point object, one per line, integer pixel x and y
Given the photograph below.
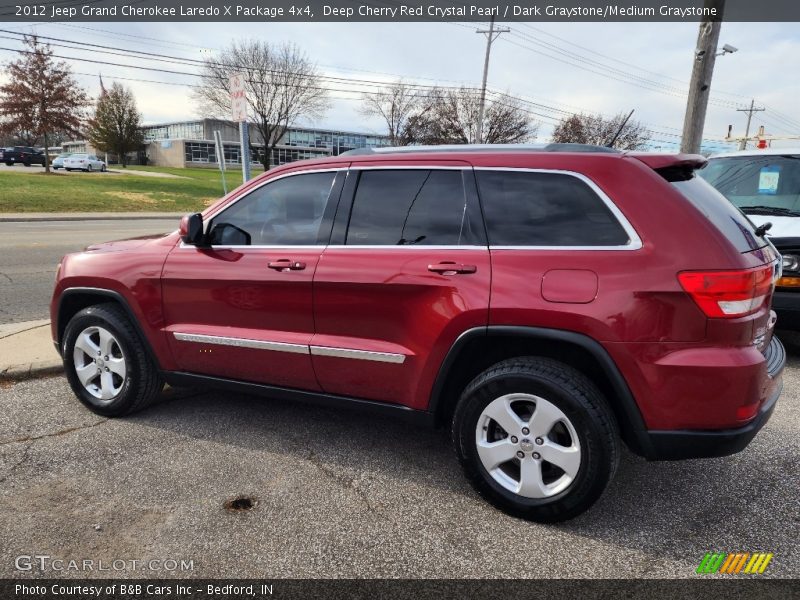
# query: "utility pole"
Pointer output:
{"type": "Point", "coordinates": [491, 35]}
{"type": "Point", "coordinates": [700, 87]}
{"type": "Point", "coordinates": [749, 111]}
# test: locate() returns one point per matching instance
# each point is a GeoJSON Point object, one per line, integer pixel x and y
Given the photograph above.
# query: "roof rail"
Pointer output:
{"type": "Point", "coordinates": [481, 148]}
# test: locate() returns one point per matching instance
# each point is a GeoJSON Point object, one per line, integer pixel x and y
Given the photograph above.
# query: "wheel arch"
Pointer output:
{"type": "Point", "coordinates": [477, 349]}
{"type": "Point", "coordinates": [73, 300]}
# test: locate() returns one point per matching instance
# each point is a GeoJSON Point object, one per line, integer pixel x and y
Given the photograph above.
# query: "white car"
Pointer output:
{"type": "Point", "coordinates": [84, 162]}
{"type": "Point", "coordinates": [58, 161]}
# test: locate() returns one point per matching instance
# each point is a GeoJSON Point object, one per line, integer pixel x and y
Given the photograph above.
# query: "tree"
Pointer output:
{"type": "Point", "coordinates": [41, 97]}
{"type": "Point", "coordinates": [395, 104]}
{"type": "Point", "coordinates": [281, 86]}
{"type": "Point", "coordinates": [597, 130]}
{"type": "Point", "coordinates": [450, 116]}
{"type": "Point", "coordinates": [116, 125]}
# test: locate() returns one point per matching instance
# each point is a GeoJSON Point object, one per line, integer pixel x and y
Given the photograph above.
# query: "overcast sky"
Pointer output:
{"type": "Point", "coordinates": [648, 54]}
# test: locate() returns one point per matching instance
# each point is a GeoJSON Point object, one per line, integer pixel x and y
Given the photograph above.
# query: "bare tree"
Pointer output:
{"type": "Point", "coordinates": [597, 130]}
{"type": "Point", "coordinates": [395, 104]}
{"type": "Point", "coordinates": [41, 97]}
{"type": "Point", "coordinates": [116, 125]}
{"type": "Point", "coordinates": [450, 116]}
{"type": "Point", "coordinates": [281, 86]}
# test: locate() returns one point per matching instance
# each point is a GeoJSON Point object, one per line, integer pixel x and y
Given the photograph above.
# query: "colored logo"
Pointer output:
{"type": "Point", "coordinates": [734, 563]}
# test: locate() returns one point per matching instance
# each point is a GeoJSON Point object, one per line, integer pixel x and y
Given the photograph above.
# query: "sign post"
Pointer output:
{"type": "Point", "coordinates": [221, 159]}
{"type": "Point", "coordinates": [239, 115]}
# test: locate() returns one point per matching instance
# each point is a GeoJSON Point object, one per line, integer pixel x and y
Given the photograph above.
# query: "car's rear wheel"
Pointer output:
{"type": "Point", "coordinates": [89, 168]}
{"type": "Point", "coordinates": [103, 168]}
{"type": "Point", "coordinates": [26, 164]}
{"type": "Point", "coordinates": [107, 364]}
{"type": "Point", "coordinates": [536, 438]}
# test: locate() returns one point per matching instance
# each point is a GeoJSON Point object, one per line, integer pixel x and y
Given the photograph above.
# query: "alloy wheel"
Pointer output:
{"type": "Point", "coordinates": [99, 363]}
{"type": "Point", "coordinates": [528, 445]}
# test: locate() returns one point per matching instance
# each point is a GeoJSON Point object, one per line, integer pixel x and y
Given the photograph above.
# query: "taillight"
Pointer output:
{"type": "Point", "coordinates": [728, 294]}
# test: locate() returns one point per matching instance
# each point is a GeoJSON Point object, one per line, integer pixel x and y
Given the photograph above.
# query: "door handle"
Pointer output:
{"type": "Point", "coordinates": [451, 268]}
{"type": "Point", "coordinates": [285, 264]}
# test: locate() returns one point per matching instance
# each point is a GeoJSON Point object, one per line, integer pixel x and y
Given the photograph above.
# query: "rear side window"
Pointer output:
{"type": "Point", "coordinates": [525, 208]}
{"type": "Point", "coordinates": [409, 207]}
{"type": "Point", "coordinates": [724, 215]}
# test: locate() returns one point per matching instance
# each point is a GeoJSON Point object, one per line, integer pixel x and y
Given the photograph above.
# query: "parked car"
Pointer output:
{"type": "Point", "coordinates": [58, 161]}
{"type": "Point", "coordinates": [546, 303]}
{"type": "Point", "coordinates": [21, 154]}
{"type": "Point", "coordinates": [765, 185]}
{"type": "Point", "coordinates": [84, 162]}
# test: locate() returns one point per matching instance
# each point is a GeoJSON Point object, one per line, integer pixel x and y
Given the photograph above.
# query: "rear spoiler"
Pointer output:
{"type": "Point", "coordinates": [672, 167]}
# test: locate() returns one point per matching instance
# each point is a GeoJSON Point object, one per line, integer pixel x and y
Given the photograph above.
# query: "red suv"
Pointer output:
{"type": "Point", "coordinates": [546, 303]}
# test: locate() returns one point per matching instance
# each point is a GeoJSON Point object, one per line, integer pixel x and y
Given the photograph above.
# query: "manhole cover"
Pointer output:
{"type": "Point", "coordinates": [239, 504]}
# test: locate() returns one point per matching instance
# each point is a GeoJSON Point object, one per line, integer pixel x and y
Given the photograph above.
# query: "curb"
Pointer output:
{"type": "Point", "coordinates": [32, 370]}
{"type": "Point", "coordinates": [106, 217]}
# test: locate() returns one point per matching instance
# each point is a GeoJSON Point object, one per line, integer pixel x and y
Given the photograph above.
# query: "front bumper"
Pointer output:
{"type": "Point", "coordinates": [683, 444]}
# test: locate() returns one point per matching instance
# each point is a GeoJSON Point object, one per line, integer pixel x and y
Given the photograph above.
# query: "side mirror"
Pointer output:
{"type": "Point", "coordinates": [192, 229]}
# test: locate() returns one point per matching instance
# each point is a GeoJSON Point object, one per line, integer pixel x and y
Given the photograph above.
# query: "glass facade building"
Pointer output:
{"type": "Point", "coordinates": [198, 148]}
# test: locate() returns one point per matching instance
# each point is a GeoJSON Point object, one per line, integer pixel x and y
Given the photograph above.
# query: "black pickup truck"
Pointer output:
{"type": "Point", "coordinates": [21, 154]}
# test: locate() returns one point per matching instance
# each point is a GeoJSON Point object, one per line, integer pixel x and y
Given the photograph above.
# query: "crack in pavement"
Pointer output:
{"type": "Point", "coordinates": [7, 277]}
{"type": "Point", "coordinates": [346, 483]}
{"type": "Point", "coordinates": [16, 465]}
{"type": "Point", "coordinates": [29, 438]}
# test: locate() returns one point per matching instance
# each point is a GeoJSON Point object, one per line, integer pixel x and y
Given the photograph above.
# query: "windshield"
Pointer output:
{"type": "Point", "coordinates": [769, 184]}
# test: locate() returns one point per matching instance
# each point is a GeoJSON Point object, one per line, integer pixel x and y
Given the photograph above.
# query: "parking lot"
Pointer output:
{"type": "Point", "coordinates": [341, 494]}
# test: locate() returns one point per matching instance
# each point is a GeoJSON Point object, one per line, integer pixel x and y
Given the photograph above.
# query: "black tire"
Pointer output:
{"type": "Point", "coordinates": [26, 164]}
{"type": "Point", "coordinates": [70, 170]}
{"type": "Point", "coordinates": [582, 403]}
{"type": "Point", "coordinates": [10, 164]}
{"type": "Point", "coordinates": [142, 384]}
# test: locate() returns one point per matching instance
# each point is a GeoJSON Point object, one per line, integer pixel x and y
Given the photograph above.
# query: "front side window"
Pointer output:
{"type": "Point", "coordinates": [410, 207]}
{"type": "Point", "coordinates": [525, 208]}
{"type": "Point", "coordinates": [286, 212]}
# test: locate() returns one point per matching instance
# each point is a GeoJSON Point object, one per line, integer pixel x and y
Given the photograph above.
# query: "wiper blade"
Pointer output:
{"type": "Point", "coordinates": [770, 210]}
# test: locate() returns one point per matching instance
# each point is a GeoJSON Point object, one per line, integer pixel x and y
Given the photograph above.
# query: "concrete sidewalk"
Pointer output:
{"type": "Point", "coordinates": [26, 350]}
{"type": "Point", "coordinates": [87, 216]}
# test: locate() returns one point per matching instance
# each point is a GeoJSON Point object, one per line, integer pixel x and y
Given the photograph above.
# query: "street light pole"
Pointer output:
{"type": "Point", "coordinates": [492, 35]}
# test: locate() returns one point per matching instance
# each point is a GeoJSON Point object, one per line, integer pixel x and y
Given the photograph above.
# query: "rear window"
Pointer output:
{"type": "Point", "coordinates": [731, 221]}
{"type": "Point", "coordinates": [757, 181]}
{"type": "Point", "coordinates": [525, 208]}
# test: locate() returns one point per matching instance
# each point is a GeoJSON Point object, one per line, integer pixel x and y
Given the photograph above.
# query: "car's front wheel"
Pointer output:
{"type": "Point", "coordinates": [536, 438]}
{"type": "Point", "coordinates": [107, 364]}
{"type": "Point", "coordinates": [89, 168]}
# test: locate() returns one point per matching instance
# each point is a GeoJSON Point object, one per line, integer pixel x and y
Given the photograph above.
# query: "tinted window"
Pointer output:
{"type": "Point", "coordinates": [286, 212]}
{"type": "Point", "coordinates": [545, 209]}
{"type": "Point", "coordinates": [422, 207]}
{"type": "Point", "coordinates": [748, 181]}
{"type": "Point", "coordinates": [724, 215]}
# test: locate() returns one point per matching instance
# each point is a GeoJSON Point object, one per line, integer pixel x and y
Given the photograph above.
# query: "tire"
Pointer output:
{"type": "Point", "coordinates": [102, 168]}
{"type": "Point", "coordinates": [66, 169]}
{"type": "Point", "coordinates": [583, 437]}
{"type": "Point", "coordinates": [10, 164]}
{"type": "Point", "coordinates": [125, 387]}
{"type": "Point", "coordinates": [26, 164]}
{"type": "Point", "coordinates": [89, 168]}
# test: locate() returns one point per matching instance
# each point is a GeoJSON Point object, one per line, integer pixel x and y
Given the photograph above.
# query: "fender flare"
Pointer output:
{"type": "Point", "coordinates": [113, 295]}
{"type": "Point", "coordinates": [632, 426]}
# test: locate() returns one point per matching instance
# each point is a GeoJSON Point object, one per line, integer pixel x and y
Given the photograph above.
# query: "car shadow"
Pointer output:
{"type": "Point", "coordinates": [648, 505]}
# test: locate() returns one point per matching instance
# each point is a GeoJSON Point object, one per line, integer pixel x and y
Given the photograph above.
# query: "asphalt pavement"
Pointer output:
{"type": "Point", "coordinates": [344, 494]}
{"type": "Point", "coordinates": [30, 252]}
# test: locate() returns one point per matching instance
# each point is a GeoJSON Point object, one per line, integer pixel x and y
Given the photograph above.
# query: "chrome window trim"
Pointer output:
{"type": "Point", "coordinates": [410, 167]}
{"type": "Point", "coordinates": [241, 342]}
{"type": "Point", "coordinates": [387, 357]}
{"type": "Point", "coordinates": [207, 218]}
{"type": "Point", "coordinates": [634, 241]}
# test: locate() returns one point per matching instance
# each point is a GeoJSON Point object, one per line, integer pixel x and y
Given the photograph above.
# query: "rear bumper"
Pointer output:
{"type": "Point", "coordinates": [683, 444]}
{"type": "Point", "coordinates": [787, 307]}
